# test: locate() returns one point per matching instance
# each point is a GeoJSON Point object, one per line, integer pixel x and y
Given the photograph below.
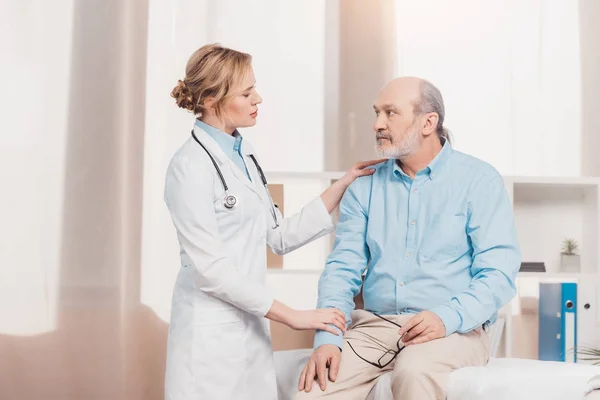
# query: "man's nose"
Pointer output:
{"type": "Point", "coordinates": [379, 124]}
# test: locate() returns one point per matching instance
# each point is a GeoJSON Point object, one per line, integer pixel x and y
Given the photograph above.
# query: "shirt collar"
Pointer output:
{"type": "Point", "coordinates": [433, 168]}
{"type": "Point", "coordinates": [228, 143]}
{"type": "Point", "coordinates": [437, 164]}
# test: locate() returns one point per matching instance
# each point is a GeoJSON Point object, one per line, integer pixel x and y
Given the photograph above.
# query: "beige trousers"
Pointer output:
{"type": "Point", "coordinates": [420, 372]}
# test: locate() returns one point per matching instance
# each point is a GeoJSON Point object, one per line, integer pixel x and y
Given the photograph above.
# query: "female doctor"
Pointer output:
{"type": "Point", "coordinates": [219, 344]}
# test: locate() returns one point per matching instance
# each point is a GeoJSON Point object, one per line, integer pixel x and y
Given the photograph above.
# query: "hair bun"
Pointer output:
{"type": "Point", "coordinates": [183, 96]}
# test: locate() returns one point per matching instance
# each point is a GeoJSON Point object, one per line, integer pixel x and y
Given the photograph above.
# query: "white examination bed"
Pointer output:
{"type": "Point", "coordinates": [501, 379]}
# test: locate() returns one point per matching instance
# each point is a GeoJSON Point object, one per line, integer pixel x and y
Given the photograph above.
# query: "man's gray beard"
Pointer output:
{"type": "Point", "coordinates": [408, 146]}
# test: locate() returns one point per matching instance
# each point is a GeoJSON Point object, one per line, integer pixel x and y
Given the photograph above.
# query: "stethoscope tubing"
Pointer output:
{"type": "Point", "coordinates": [230, 200]}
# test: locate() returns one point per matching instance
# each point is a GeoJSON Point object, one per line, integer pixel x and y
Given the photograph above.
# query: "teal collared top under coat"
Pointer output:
{"type": "Point", "coordinates": [230, 144]}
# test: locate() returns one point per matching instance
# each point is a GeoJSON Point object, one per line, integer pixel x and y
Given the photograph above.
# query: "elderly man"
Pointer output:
{"type": "Point", "coordinates": [434, 230]}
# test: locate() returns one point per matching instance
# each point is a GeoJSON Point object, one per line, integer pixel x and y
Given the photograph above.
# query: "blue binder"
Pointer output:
{"type": "Point", "coordinates": [558, 322]}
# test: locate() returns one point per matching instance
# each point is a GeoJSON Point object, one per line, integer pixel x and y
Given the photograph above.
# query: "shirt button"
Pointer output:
{"type": "Point", "coordinates": [413, 222]}
{"type": "Point", "coordinates": [408, 254]}
{"type": "Point", "coordinates": [415, 190]}
{"type": "Point", "coordinates": [401, 283]}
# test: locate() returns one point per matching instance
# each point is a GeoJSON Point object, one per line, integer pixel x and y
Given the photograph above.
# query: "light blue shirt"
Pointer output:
{"type": "Point", "coordinates": [230, 144]}
{"type": "Point", "coordinates": [444, 242]}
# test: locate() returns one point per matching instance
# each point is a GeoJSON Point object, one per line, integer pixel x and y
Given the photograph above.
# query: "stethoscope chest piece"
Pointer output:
{"type": "Point", "coordinates": [229, 201]}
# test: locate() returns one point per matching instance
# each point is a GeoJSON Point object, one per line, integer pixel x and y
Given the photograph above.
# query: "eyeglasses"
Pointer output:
{"type": "Point", "coordinates": [389, 355]}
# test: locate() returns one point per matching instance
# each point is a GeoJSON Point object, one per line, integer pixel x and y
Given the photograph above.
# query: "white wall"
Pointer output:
{"type": "Point", "coordinates": [35, 43]}
{"type": "Point", "coordinates": [589, 15]}
{"type": "Point", "coordinates": [510, 75]}
{"type": "Point", "coordinates": [287, 42]}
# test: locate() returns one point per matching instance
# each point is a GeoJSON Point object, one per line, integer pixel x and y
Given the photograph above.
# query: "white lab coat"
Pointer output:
{"type": "Point", "coordinates": [219, 344]}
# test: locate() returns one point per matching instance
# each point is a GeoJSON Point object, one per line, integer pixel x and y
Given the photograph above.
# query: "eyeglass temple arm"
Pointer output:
{"type": "Point", "coordinates": [385, 319]}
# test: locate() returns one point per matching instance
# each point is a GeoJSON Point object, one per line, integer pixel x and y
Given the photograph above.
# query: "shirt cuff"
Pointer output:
{"type": "Point", "coordinates": [449, 316]}
{"type": "Point", "coordinates": [324, 337]}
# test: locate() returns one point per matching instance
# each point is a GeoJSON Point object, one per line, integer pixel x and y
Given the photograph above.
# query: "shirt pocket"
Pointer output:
{"type": "Point", "coordinates": [445, 238]}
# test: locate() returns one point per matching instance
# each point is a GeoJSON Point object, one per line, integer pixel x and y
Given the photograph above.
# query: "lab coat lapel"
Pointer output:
{"type": "Point", "coordinates": [247, 151]}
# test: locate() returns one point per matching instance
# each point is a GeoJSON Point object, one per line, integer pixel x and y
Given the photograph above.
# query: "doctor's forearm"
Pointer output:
{"type": "Point", "coordinates": [333, 194]}
{"type": "Point", "coordinates": [308, 319]}
{"type": "Point", "coordinates": [279, 312]}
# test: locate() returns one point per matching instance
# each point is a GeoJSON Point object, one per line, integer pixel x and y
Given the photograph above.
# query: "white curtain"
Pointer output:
{"type": "Point", "coordinates": [35, 43]}
{"type": "Point", "coordinates": [71, 147]}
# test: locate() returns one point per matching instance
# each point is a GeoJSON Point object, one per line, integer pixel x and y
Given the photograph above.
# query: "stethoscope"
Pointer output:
{"type": "Point", "coordinates": [230, 201]}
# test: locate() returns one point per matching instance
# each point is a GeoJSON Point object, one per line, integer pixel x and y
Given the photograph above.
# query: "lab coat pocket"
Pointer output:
{"type": "Point", "coordinates": [227, 217]}
{"type": "Point", "coordinates": [445, 237]}
{"type": "Point", "coordinates": [219, 353]}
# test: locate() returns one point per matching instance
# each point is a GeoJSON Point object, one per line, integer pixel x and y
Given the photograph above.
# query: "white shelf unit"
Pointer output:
{"type": "Point", "coordinates": [547, 210]}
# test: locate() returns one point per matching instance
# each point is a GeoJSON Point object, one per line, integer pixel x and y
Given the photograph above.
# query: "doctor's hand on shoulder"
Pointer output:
{"type": "Point", "coordinates": [360, 169]}
{"type": "Point", "coordinates": [321, 319]}
{"type": "Point", "coordinates": [332, 196]}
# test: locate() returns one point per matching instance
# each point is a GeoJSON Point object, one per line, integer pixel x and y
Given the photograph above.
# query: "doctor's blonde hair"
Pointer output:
{"type": "Point", "coordinates": [212, 71]}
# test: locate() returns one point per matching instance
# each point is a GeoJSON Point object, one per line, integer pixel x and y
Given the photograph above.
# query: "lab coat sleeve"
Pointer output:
{"type": "Point", "coordinates": [312, 222]}
{"type": "Point", "coordinates": [189, 197]}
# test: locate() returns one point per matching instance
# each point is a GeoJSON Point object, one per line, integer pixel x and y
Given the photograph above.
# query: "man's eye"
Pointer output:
{"type": "Point", "coordinates": [246, 94]}
{"type": "Point", "coordinates": [390, 113]}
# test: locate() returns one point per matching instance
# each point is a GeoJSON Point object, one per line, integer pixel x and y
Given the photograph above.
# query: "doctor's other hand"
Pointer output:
{"type": "Point", "coordinates": [326, 355]}
{"type": "Point", "coordinates": [360, 169]}
{"type": "Point", "coordinates": [317, 319]}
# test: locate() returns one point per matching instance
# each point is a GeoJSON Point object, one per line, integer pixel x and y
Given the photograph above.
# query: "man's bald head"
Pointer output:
{"type": "Point", "coordinates": [406, 87]}
{"type": "Point", "coordinates": [419, 93]}
{"type": "Point", "coordinates": [409, 110]}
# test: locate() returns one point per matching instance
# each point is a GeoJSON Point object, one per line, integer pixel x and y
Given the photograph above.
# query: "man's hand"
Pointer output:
{"type": "Point", "coordinates": [421, 328]}
{"type": "Point", "coordinates": [324, 356]}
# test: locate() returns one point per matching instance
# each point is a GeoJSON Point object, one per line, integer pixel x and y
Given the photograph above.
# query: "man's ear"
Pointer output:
{"type": "Point", "coordinates": [430, 124]}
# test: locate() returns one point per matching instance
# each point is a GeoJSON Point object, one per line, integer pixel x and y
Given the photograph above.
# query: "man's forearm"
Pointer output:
{"type": "Point", "coordinates": [471, 308]}
{"type": "Point", "coordinates": [337, 292]}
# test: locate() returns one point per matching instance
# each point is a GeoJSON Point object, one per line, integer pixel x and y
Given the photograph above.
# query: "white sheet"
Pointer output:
{"type": "Point", "coordinates": [594, 384]}
{"type": "Point", "coordinates": [501, 379]}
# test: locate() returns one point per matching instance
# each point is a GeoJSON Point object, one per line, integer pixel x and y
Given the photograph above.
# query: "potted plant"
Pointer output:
{"type": "Point", "coordinates": [588, 354]}
{"type": "Point", "coordinates": [569, 259]}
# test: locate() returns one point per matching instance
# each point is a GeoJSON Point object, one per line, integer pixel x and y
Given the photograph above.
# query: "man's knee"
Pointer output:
{"type": "Point", "coordinates": [407, 373]}
{"type": "Point", "coordinates": [414, 377]}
